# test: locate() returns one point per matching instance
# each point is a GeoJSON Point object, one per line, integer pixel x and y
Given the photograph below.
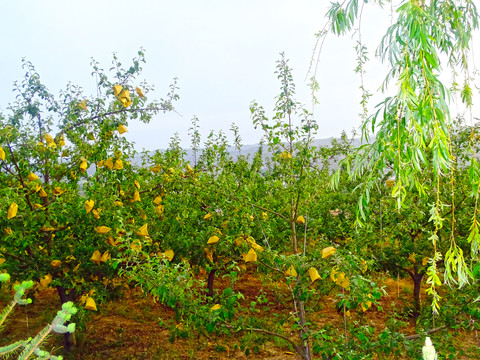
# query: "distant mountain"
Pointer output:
{"type": "Point", "coordinates": [247, 150]}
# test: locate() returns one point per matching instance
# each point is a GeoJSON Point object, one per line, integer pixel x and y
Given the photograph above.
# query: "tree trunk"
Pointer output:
{"type": "Point", "coordinates": [417, 282]}
{"type": "Point", "coordinates": [211, 277]}
{"type": "Point", "coordinates": [303, 334]}
{"type": "Point", "coordinates": [69, 340]}
{"type": "Point", "coordinates": [294, 236]}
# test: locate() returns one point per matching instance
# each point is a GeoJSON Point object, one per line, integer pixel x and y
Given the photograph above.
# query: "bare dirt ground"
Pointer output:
{"type": "Point", "coordinates": [129, 328]}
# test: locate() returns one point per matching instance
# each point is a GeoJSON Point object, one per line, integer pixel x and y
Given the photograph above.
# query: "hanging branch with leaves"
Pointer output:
{"type": "Point", "coordinates": [410, 131]}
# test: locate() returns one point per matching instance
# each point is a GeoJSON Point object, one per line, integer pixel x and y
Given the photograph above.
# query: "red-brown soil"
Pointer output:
{"type": "Point", "coordinates": [129, 328]}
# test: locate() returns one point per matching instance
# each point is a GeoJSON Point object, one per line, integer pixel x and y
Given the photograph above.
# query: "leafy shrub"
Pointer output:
{"type": "Point", "coordinates": [31, 347]}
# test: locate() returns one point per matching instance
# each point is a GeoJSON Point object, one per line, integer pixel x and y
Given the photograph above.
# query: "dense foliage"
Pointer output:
{"type": "Point", "coordinates": [81, 216]}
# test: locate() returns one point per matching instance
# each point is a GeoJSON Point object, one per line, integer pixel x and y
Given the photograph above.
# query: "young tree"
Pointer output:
{"type": "Point", "coordinates": [62, 163]}
{"type": "Point", "coordinates": [226, 213]}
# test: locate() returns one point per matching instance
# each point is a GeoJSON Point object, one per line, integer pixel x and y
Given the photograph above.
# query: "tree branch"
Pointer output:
{"type": "Point", "coordinates": [297, 348]}
{"type": "Point", "coordinates": [84, 121]}
{"type": "Point", "coordinates": [431, 331]}
{"type": "Point", "coordinates": [22, 181]}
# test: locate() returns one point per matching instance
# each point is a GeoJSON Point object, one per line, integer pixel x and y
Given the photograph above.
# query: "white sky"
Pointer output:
{"type": "Point", "coordinates": [222, 51]}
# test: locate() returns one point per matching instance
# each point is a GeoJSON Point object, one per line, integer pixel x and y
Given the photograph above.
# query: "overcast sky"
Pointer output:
{"type": "Point", "coordinates": [223, 52]}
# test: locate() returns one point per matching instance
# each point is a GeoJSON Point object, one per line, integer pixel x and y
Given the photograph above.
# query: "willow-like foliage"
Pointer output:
{"type": "Point", "coordinates": [410, 133]}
